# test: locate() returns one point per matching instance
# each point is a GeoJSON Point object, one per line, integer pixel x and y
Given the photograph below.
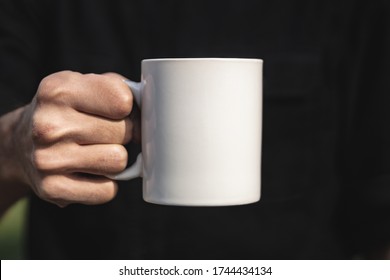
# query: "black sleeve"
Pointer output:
{"type": "Point", "coordinates": [20, 52]}
{"type": "Point", "coordinates": [365, 111]}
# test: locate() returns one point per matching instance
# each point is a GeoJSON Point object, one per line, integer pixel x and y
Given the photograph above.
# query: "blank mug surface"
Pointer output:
{"type": "Point", "coordinates": [201, 131]}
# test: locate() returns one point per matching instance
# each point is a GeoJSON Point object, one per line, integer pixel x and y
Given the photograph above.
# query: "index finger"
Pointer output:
{"type": "Point", "coordinates": [103, 95]}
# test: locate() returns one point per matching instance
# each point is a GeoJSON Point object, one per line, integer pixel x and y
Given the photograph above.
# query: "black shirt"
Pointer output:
{"type": "Point", "coordinates": [326, 156]}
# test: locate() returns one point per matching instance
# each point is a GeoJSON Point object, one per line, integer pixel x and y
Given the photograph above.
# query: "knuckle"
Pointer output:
{"type": "Point", "coordinates": [41, 160]}
{"type": "Point", "coordinates": [53, 87]}
{"type": "Point", "coordinates": [53, 189]}
{"type": "Point", "coordinates": [124, 103]}
{"type": "Point", "coordinates": [123, 99]}
{"type": "Point", "coordinates": [48, 88]}
{"type": "Point", "coordinates": [119, 157]}
{"type": "Point", "coordinates": [43, 129]}
{"type": "Point", "coordinates": [108, 194]}
{"type": "Point", "coordinates": [49, 190]}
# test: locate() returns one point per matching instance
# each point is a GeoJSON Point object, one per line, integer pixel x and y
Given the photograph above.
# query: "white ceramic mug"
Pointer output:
{"type": "Point", "coordinates": [201, 131]}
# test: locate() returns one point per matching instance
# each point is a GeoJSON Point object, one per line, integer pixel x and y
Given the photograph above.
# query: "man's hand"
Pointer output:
{"type": "Point", "coordinates": [72, 134]}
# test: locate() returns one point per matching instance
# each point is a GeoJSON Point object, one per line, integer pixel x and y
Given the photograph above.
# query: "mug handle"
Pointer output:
{"type": "Point", "coordinates": [136, 169]}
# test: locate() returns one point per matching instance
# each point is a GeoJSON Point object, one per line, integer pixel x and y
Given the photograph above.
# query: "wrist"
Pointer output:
{"type": "Point", "coordinates": [13, 181]}
{"type": "Point", "coordinates": [10, 168]}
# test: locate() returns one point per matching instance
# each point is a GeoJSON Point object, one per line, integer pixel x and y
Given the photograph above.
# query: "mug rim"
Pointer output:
{"type": "Point", "coordinates": [203, 59]}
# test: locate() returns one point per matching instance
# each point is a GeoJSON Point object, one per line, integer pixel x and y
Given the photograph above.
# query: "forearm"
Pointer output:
{"type": "Point", "coordinates": [13, 185]}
